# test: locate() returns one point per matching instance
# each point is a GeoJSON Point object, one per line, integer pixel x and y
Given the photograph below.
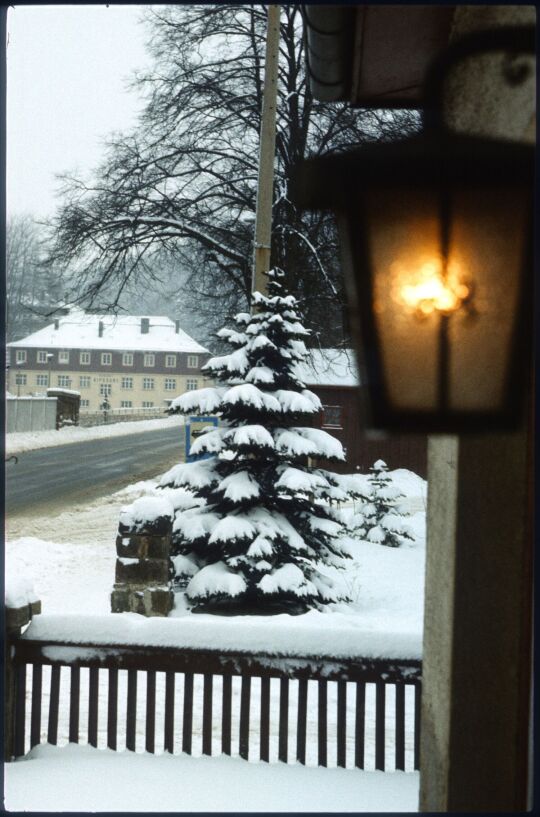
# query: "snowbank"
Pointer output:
{"type": "Point", "coordinates": [71, 779]}
{"type": "Point", "coordinates": [18, 442]}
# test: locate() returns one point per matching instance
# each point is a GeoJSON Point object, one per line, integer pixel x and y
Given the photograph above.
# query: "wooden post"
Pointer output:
{"type": "Point", "coordinates": [267, 146]}
{"type": "Point", "coordinates": [16, 619]}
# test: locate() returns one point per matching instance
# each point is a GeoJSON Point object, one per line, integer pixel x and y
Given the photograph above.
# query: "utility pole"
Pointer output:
{"type": "Point", "coordinates": [267, 149]}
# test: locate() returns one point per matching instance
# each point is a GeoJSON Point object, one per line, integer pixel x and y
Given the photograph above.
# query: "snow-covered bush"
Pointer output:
{"type": "Point", "coordinates": [266, 527]}
{"type": "Point", "coordinates": [383, 515]}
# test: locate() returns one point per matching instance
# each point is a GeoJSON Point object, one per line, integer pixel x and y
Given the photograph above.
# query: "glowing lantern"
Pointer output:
{"type": "Point", "coordinates": [435, 234]}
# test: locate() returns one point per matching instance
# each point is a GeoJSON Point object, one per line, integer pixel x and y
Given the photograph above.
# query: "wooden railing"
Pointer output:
{"type": "Point", "coordinates": [313, 710]}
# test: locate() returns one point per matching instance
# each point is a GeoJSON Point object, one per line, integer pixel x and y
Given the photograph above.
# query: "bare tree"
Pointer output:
{"type": "Point", "coordinates": [31, 285]}
{"type": "Point", "coordinates": [185, 180]}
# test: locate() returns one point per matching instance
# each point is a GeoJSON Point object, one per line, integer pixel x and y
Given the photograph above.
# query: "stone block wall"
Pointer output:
{"type": "Point", "coordinates": [144, 570]}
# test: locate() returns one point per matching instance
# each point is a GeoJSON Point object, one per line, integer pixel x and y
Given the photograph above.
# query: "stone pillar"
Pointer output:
{"type": "Point", "coordinates": [16, 619]}
{"type": "Point", "coordinates": [144, 570]}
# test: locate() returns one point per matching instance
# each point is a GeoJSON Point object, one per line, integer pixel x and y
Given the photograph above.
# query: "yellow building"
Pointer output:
{"type": "Point", "coordinates": [129, 361]}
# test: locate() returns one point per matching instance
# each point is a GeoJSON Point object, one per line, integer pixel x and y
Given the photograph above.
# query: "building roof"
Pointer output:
{"type": "Point", "coordinates": [329, 367]}
{"type": "Point", "coordinates": [79, 330]}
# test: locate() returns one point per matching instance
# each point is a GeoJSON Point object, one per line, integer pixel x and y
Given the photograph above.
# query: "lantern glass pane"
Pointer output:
{"type": "Point", "coordinates": [488, 240]}
{"type": "Point", "coordinates": [445, 326]}
{"type": "Point", "coordinates": [403, 231]}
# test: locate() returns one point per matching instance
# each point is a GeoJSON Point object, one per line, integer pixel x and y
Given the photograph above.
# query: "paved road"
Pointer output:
{"type": "Point", "coordinates": [53, 476]}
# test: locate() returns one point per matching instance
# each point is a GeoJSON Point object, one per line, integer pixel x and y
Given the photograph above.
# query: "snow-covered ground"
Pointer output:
{"type": "Point", "coordinates": [67, 780]}
{"type": "Point", "coordinates": [20, 441]}
{"type": "Point", "coordinates": [70, 561]}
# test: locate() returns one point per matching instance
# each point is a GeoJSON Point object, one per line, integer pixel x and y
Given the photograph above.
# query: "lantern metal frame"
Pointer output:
{"type": "Point", "coordinates": [436, 160]}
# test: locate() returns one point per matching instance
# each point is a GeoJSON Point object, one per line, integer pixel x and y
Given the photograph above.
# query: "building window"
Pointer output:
{"type": "Point", "coordinates": [42, 357]}
{"type": "Point", "coordinates": [149, 359]}
{"type": "Point", "coordinates": [21, 356]}
{"type": "Point", "coordinates": [192, 361]}
{"type": "Point", "coordinates": [127, 382]}
{"type": "Point", "coordinates": [192, 384]}
{"type": "Point", "coordinates": [106, 358]}
{"type": "Point", "coordinates": [126, 404]}
{"type": "Point", "coordinates": [148, 383]}
{"type": "Point", "coordinates": [105, 389]}
{"type": "Point", "coordinates": [332, 417]}
{"type": "Point", "coordinates": [64, 381]}
{"type": "Point", "coordinates": [170, 383]}
{"type": "Point", "coordinates": [84, 381]}
{"type": "Point", "coordinates": [84, 358]}
{"type": "Point", "coordinates": [63, 357]}
{"type": "Point", "coordinates": [85, 403]}
{"type": "Point", "coordinates": [170, 361]}
{"type": "Point", "coordinates": [20, 379]}
{"type": "Point", "coordinates": [146, 404]}
{"type": "Point", "coordinates": [42, 380]}
{"type": "Point", "coordinates": [127, 359]}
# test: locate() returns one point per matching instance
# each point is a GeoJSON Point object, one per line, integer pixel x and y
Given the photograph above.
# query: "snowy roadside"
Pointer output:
{"type": "Point", "coordinates": [17, 442]}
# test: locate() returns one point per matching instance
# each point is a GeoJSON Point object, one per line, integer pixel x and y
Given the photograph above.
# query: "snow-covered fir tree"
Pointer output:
{"type": "Point", "coordinates": [383, 515]}
{"type": "Point", "coordinates": [264, 530]}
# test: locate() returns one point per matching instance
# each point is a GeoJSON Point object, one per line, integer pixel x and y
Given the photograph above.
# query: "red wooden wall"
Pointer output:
{"type": "Point", "coordinates": [397, 450]}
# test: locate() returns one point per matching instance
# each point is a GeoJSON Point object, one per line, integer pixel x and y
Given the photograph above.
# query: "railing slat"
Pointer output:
{"type": "Point", "coordinates": [245, 695]}
{"type": "Point", "coordinates": [322, 723]}
{"type": "Point", "coordinates": [150, 738]}
{"type": "Point", "coordinates": [283, 719]}
{"type": "Point", "coordinates": [187, 724]}
{"type": "Point", "coordinates": [20, 710]}
{"type": "Point", "coordinates": [112, 709]}
{"type": "Point", "coordinates": [131, 710]}
{"type": "Point", "coordinates": [380, 707]}
{"type": "Point", "coordinates": [400, 727]}
{"type": "Point", "coordinates": [265, 720]}
{"type": "Point", "coordinates": [207, 714]}
{"type": "Point", "coordinates": [74, 695]}
{"type": "Point", "coordinates": [226, 709]}
{"type": "Point", "coordinates": [54, 705]}
{"type": "Point", "coordinates": [301, 721]}
{"type": "Point", "coordinates": [360, 725]}
{"type": "Point", "coordinates": [93, 698]}
{"type": "Point", "coordinates": [417, 695]}
{"type": "Point", "coordinates": [35, 718]}
{"type": "Point", "coordinates": [342, 724]}
{"type": "Point", "coordinates": [169, 712]}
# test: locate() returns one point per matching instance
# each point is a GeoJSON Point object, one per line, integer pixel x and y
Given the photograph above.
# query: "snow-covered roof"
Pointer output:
{"type": "Point", "coordinates": [80, 330]}
{"type": "Point", "coordinates": [329, 367]}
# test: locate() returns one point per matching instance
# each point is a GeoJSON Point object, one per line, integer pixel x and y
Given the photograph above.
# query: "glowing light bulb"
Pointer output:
{"type": "Point", "coordinates": [426, 290]}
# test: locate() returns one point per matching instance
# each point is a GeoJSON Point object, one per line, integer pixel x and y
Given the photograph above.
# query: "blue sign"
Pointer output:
{"type": "Point", "coordinates": [194, 428]}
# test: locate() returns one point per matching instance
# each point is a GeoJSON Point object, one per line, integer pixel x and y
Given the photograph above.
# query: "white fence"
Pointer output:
{"type": "Point", "coordinates": [30, 413]}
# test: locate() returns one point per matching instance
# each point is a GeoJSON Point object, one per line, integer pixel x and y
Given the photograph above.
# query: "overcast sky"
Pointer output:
{"type": "Point", "coordinates": [67, 69]}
